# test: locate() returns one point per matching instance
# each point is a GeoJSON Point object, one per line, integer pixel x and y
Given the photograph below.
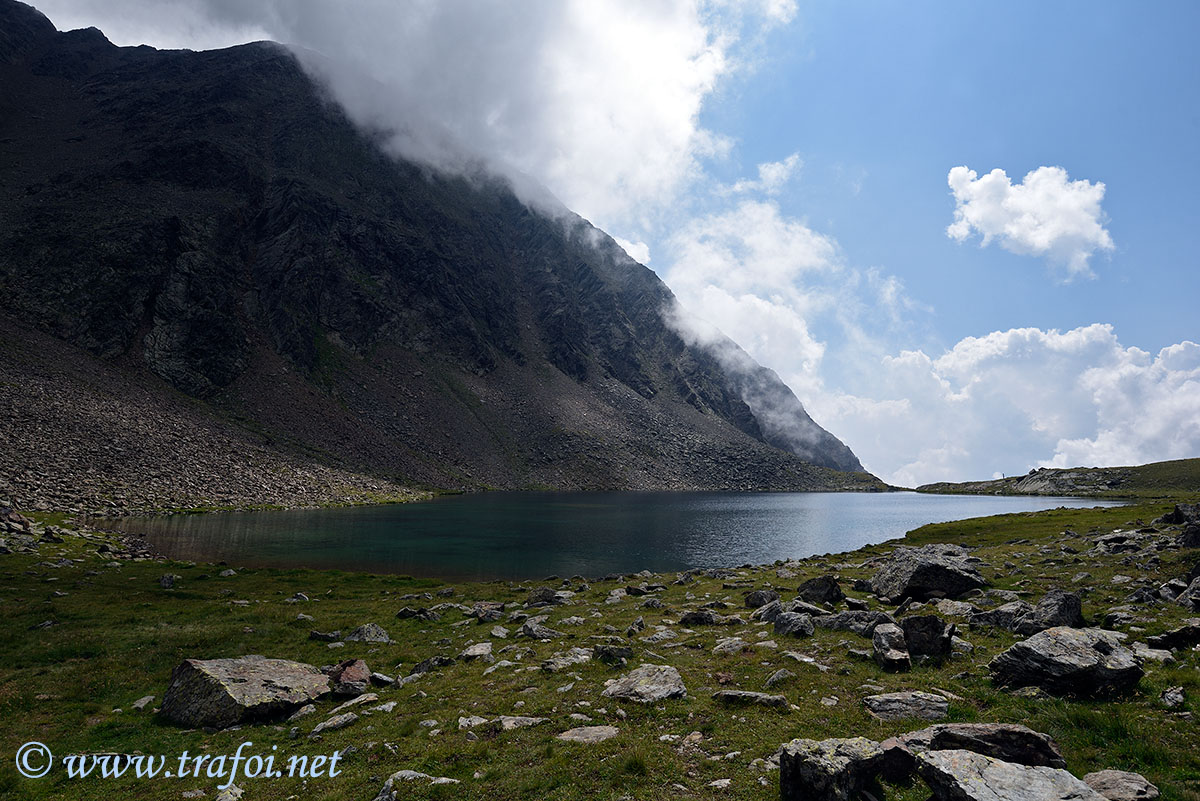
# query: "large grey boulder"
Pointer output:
{"type": "Point", "coordinates": [931, 571]}
{"type": "Point", "coordinates": [1004, 616]}
{"type": "Point", "coordinates": [890, 649]}
{"type": "Point", "coordinates": [760, 598]}
{"type": "Point", "coordinates": [903, 705]}
{"type": "Point", "coordinates": [648, 684]}
{"type": "Point", "coordinates": [219, 693]}
{"type": "Point", "coordinates": [1184, 636]}
{"type": "Point", "coordinates": [1057, 608]}
{"type": "Point", "coordinates": [959, 775]}
{"type": "Point", "coordinates": [548, 596]}
{"type": "Point", "coordinates": [1067, 661]}
{"type": "Point", "coordinates": [821, 590]}
{"type": "Point", "coordinates": [1010, 742]}
{"type": "Point", "coordinates": [928, 636]}
{"type": "Point", "coordinates": [828, 770]}
{"type": "Point", "coordinates": [794, 624]}
{"type": "Point", "coordinates": [1119, 785]}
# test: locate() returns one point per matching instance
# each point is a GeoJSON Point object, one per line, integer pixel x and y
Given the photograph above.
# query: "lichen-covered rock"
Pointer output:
{"type": "Point", "coordinates": [219, 693]}
{"type": "Point", "coordinates": [821, 590]}
{"type": "Point", "coordinates": [747, 698]}
{"type": "Point", "coordinates": [589, 734]}
{"type": "Point", "coordinates": [1067, 661]}
{"type": "Point", "coordinates": [828, 770]}
{"type": "Point", "coordinates": [1184, 636]}
{"type": "Point", "coordinates": [1120, 785]}
{"type": "Point", "coordinates": [648, 684]}
{"type": "Point", "coordinates": [1057, 608]}
{"type": "Point", "coordinates": [928, 636]}
{"type": "Point", "coordinates": [391, 788]}
{"type": "Point", "coordinates": [926, 572]}
{"type": "Point", "coordinates": [1004, 616]}
{"type": "Point", "coordinates": [760, 598]}
{"type": "Point", "coordinates": [369, 632]}
{"type": "Point", "coordinates": [890, 649]}
{"type": "Point", "coordinates": [958, 775]}
{"type": "Point", "coordinates": [903, 705]}
{"type": "Point", "coordinates": [350, 678]}
{"type": "Point", "coordinates": [794, 624]}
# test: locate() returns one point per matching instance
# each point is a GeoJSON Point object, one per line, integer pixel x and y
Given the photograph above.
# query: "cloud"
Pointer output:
{"type": "Point", "coordinates": [772, 176]}
{"type": "Point", "coordinates": [598, 102]}
{"type": "Point", "coordinates": [638, 251]}
{"type": "Point", "coordinates": [1047, 214]}
{"type": "Point", "coordinates": [1023, 398]}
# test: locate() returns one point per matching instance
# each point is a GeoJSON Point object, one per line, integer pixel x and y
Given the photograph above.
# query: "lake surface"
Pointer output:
{"type": "Point", "coordinates": [529, 535]}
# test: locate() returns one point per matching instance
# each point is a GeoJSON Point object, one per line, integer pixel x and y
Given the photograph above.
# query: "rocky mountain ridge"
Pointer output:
{"type": "Point", "coordinates": [208, 223]}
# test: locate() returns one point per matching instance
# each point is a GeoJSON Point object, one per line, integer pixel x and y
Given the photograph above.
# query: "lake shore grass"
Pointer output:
{"type": "Point", "coordinates": [87, 633]}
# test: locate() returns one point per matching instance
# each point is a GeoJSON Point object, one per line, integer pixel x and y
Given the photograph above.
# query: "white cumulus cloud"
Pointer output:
{"type": "Point", "coordinates": [772, 176]}
{"type": "Point", "coordinates": [1013, 400]}
{"type": "Point", "coordinates": [1047, 214]}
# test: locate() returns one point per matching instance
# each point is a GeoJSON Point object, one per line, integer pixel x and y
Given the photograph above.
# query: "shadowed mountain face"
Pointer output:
{"type": "Point", "coordinates": [209, 220]}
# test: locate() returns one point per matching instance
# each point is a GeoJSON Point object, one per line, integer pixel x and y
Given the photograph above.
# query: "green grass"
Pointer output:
{"type": "Point", "coordinates": [117, 636]}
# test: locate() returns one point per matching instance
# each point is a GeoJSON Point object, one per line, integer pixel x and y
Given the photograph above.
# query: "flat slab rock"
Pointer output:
{"type": "Point", "coordinates": [958, 775]}
{"type": "Point", "coordinates": [219, 693]}
{"type": "Point", "coordinates": [1067, 661]}
{"type": "Point", "coordinates": [1010, 742]}
{"type": "Point", "coordinates": [648, 684]}
{"type": "Point", "coordinates": [899, 706]}
{"type": "Point", "coordinates": [746, 697]}
{"type": "Point", "coordinates": [1119, 785]}
{"type": "Point", "coordinates": [589, 734]}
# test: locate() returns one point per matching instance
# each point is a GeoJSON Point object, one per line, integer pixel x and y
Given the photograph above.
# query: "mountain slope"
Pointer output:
{"type": "Point", "coordinates": [209, 220]}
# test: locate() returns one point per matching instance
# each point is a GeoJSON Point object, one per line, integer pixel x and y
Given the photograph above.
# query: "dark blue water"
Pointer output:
{"type": "Point", "coordinates": [517, 535]}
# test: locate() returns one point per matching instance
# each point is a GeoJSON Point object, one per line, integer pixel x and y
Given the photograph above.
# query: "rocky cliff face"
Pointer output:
{"type": "Point", "coordinates": [209, 220]}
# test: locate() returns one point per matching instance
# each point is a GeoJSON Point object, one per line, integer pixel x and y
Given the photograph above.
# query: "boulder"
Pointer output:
{"type": "Point", "coordinates": [478, 650]}
{"type": "Point", "coordinates": [1190, 598]}
{"type": "Point", "coordinates": [1010, 742]}
{"type": "Point", "coordinates": [1119, 785]}
{"type": "Point", "coordinates": [536, 631]}
{"type": "Point", "coordinates": [889, 648]}
{"type": "Point", "coordinates": [959, 775]}
{"type": "Point", "coordinates": [768, 612]}
{"type": "Point", "coordinates": [903, 705]}
{"type": "Point", "coordinates": [351, 677]}
{"type": "Point", "coordinates": [218, 693]}
{"type": "Point", "coordinates": [928, 636]}
{"type": "Point", "coordinates": [548, 596]}
{"type": "Point", "coordinates": [931, 571]}
{"type": "Point", "coordinates": [820, 590]}
{"type": "Point", "coordinates": [560, 662]}
{"type": "Point", "coordinates": [391, 788]}
{"type": "Point", "coordinates": [431, 664]}
{"type": "Point", "coordinates": [829, 770]}
{"type": "Point", "coordinates": [1067, 661]}
{"type": "Point", "coordinates": [747, 698]}
{"type": "Point", "coordinates": [1190, 536]}
{"type": "Point", "coordinates": [1185, 636]}
{"type": "Point", "coordinates": [1183, 513]}
{"type": "Point", "coordinates": [648, 684]}
{"type": "Point", "coordinates": [862, 623]}
{"type": "Point", "coordinates": [760, 598]}
{"type": "Point", "coordinates": [589, 734]}
{"type": "Point", "coordinates": [612, 654]}
{"type": "Point", "coordinates": [368, 632]}
{"type": "Point", "coordinates": [1057, 608]}
{"type": "Point", "coordinates": [1002, 617]}
{"type": "Point", "coordinates": [794, 624]}
{"type": "Point", "coordinates": [700, 617]}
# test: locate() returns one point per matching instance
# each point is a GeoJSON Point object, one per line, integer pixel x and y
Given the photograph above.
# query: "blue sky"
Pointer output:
{"type": "Point", "coordinates": [784, 166]}
{"type": "Point", "coordinates": [881, 99]}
